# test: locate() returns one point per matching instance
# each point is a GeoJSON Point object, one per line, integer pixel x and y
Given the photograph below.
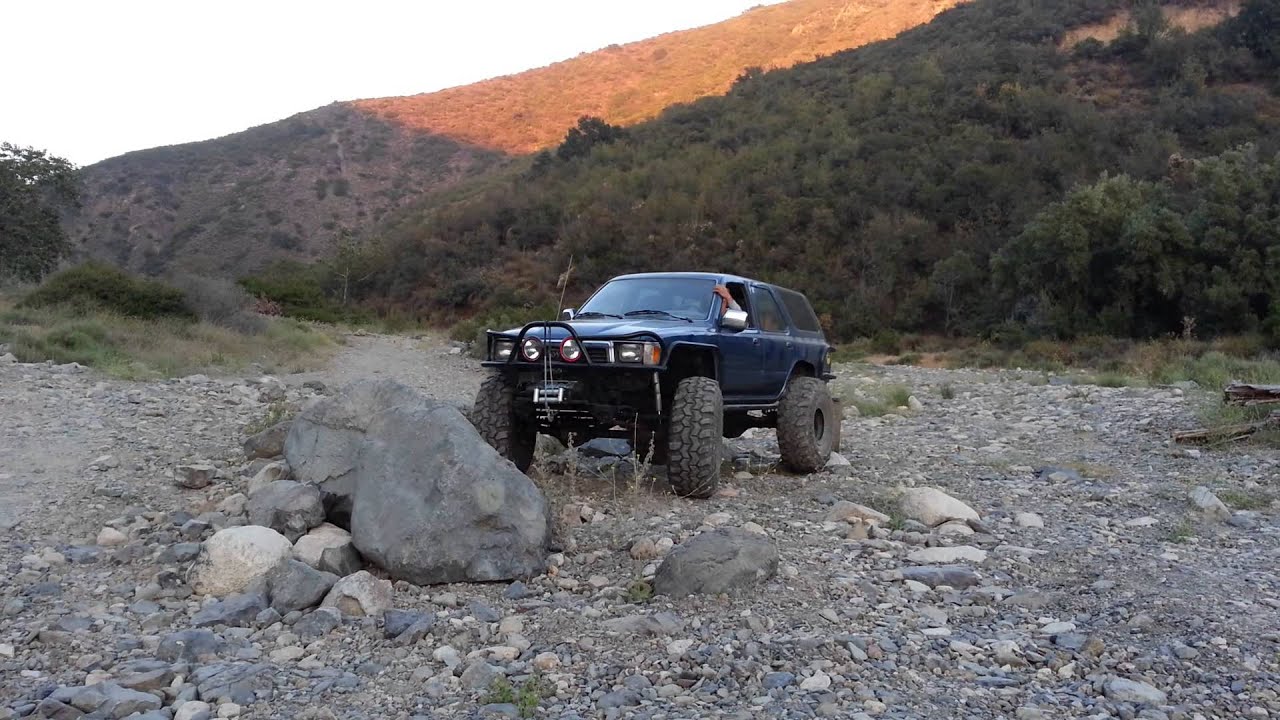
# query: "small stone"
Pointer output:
{"type": "Point", "coordinates": [931, 506]}
{"type": "Point", "coordinates": [817, 682]}
{"type": "Point", "coordinates": [845, 511]}
{"type": "Point", "coordinates": [360, 594]}
{"type": "Point", "coordinates": [110, 537]}
{"type": "Point", "coordinates": [943, 555]}
{"type": "Point", "coordinates": [479, 675]}
{"type": "Point", "coordinates": [194, 477]}
{"type": "Point", "coordinates": [1028, 520]}
{"type": "Point", "coordinates": [228, 710]}
{"type": "Point", "coordinates": [1133, 691]}
{"type": "Point", "coordinates": [194, 710]}
{"type": "Point", "coordinates": [775, 680]}
{"type": "Point", "coordinates": [644, 550]}
{"type": "Point", "coordinates": [1203, 499]}
{"type": "Point", "coordinates": [233, 505]}
{"type": "Point", "coordinates": [447, 655]}
{"type": "Point", "coordinates": [546, 661]}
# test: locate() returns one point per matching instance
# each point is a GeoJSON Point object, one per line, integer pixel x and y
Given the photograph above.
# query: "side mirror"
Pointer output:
{"type": "Point", "coordinates": [566, 314]}
{"type": "Point", "coordinates": [734, 319]}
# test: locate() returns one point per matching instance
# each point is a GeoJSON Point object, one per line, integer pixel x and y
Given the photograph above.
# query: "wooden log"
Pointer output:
{"type": "Point", "coordinates": [1227, 433]}
{"type": "Point", "coordinates": [1248, 394]}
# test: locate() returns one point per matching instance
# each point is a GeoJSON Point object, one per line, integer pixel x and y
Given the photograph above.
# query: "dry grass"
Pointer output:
{"type": "Point", "coordinates": [132, 348]}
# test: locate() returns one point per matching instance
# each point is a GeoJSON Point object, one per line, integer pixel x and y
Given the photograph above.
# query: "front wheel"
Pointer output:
{"type": "Point", "coordinates": [495, 419]}
{"type": "Point", "coordinates": [695, 429]}
{"type": "Point", "coordinates": [808, 426]}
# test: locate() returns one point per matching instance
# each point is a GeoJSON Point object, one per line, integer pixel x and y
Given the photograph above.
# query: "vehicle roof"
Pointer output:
{"type": "Point", "coordinates": [717, 277]}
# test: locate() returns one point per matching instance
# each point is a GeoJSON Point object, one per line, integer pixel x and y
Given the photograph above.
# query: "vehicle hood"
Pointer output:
{"type": "Point", "coordinates": [614, 329]}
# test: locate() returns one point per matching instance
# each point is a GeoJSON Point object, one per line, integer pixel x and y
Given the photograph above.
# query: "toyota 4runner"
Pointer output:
{"type": "Point", "coordinates": [672, 362]}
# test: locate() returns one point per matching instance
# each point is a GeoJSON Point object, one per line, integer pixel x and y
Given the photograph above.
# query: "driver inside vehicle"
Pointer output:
{"type": "Point", "coordinates": [727, 302]}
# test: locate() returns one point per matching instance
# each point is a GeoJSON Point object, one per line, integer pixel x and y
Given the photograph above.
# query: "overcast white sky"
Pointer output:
{"type": "Point", "coordinates": [90, 79]}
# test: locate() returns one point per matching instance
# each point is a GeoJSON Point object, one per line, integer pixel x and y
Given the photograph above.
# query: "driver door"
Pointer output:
{"type": "Point", "coordinates": [741, 355]}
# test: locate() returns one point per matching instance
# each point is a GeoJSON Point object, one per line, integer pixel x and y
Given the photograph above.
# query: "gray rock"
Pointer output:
{"type": "Point", "coordinates": [483, 612]}
{"type": "Point", "coordinates": [121, 702]}
{"type": "Point", "coordinates": [342, 561]}
{"type": "Point", "coordinates": [1203, 499]}
{"type": "Point", "coordinates": [479, 675]}
{"type": "Point", "coordinates": [190, 646]}
{"type": "Point", "coordinates": [657, 624]}
{"type": "Point", "coordinates": [324, 442]}
{"type": "Point", "coordinates": [956, 576]}
{"type": "Point", "coordinates": [1133, 691]}
{"type": "Point", "coordinates": [180, 553]}
{"type": "Point", "coordinates": [318, 623]}
{"type": "Point", "coordinates": [194, 477]}
{"type": "Point", "coordinates": [396, 622]}
{"type": "Point", "coordinates": [268, 443]}
{"type": "Point", "coordinates": [143, 675]}
{"type": "Point", "coordinates": [517, 591]}
{"type": "Point", "coordinates": [719, 561]}
{"type": "Point", "coordinates": [617, 699]}
{"type": "Point", "coordinates": [232, 611]}
{"type": "Point", "coordinates": [241, 683]}
{"type": "Point", "coordinates": [500, 710]}
{"type": "Point", "coordinates": [235, 558]}
{"type": "Point", "coordinates": [431, 501]}
{"type": "Point", "coordinates": [605, 447]}
{"type": "Point", "coordinates": [288, 507]}
{"type": "Point", "coordinates": [295, 585]}
{"type": "Point", "coordinates": [360, 594]}
{"type": "Point", "coordinates": [777, 679]}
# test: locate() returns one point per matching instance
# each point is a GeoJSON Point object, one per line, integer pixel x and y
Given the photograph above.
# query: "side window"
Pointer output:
{"type": "Point", "coordinates": [767, 314]}
{"type": "Point", "coordinates": [738, 292]}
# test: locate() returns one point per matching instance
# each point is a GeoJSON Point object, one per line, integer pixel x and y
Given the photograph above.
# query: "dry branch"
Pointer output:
{"type": "Point", "coordinates": [1249, 395]}
{"type": "Point", "coordinates": [1227, 433]}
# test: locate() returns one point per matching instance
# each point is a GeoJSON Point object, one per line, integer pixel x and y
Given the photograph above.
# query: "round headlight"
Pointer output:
{"type": "Point", "coordinates": [569, 351]}
{"type": "Point", "coordinates": [531, 349]}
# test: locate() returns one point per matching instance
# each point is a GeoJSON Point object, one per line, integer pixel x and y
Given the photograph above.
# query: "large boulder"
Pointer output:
{"type": "Point", "coordinates": [235, 557]}
{"type": "Point", "coordinates": [288, 507]}
{"type": "Point", "coordinates": [324, 441]}
{"type": "Point", "coordinates": [431, 501]}
{"type": "Point", "coordinates": [715, 562]}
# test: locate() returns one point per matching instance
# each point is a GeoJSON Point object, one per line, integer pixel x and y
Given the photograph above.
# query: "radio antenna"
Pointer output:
{"type": "Point", "coordinates": [563, 282]}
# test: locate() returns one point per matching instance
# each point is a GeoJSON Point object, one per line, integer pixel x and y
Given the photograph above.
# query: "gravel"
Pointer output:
{"type": "Point", "coordinates": [1106, 575]}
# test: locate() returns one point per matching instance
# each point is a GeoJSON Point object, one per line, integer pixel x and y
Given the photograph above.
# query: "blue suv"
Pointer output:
{"type": "Point", "coordinates": [673, 362]}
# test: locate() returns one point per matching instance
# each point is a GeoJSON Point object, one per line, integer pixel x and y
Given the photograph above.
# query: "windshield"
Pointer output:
{"type": "Point", "coordinates": [682, 298]}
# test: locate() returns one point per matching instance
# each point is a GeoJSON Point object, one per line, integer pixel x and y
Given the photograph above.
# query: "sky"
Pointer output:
{"type": "Point", "coordinates": [91, 79]}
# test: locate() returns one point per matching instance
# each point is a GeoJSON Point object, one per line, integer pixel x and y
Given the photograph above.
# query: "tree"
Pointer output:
{"type": "Point", "coordinates": [590, 131]}
{"type": "Point", "coordinates": [354, 261]}
{"type": "Point", "coordinates": [35, 187]}
{"type": "Point", "coordinates": [1259, 23]}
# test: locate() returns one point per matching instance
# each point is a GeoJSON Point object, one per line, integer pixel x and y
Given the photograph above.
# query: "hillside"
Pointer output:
{"type": "Point", "coordinates": [286, 190]}
{"type": "Point", "coordinates": [626, 84]}
{"type": "Point", "coordinates": [283, 190]}
{"type": "Point", "coordinates": [885, 181]}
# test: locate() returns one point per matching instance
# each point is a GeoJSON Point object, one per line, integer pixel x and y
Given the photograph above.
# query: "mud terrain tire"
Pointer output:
{"type": "Point", "coordinates": [808, 427]}
{"type": "Point", "coordinates": [494, 417]}
{"type": "Point", "coordinates": [694, 437]}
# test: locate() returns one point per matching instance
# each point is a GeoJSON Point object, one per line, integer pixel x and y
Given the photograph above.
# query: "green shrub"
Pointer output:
{"type": "Point", "coordinates": [94, 286]}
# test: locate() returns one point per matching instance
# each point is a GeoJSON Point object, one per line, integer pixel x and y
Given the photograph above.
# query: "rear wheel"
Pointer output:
{"type": "Point", "coordinates": [808, 426]}
{"type": "Point", "coordinates": [495, 418]}
{"type": "Point", "coordinates": [694, 437]}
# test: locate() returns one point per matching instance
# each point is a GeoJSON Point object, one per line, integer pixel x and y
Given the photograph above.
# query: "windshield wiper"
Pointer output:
{"type": "Point", "coordinates": [657, 312]}
{"type": "Point", "coordinates": [593, 313]}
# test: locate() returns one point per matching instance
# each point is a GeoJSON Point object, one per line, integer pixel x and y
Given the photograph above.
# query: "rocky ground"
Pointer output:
{"type": "Point", "coordinates": [1086, 573]}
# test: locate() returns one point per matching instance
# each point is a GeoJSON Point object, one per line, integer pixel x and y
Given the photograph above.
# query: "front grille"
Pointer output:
{"type": "Point", "coordinates": [597, 353]}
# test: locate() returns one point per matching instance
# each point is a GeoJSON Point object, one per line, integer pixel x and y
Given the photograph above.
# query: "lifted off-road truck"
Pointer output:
{"type": "Point", "coordinates": [672, 362]}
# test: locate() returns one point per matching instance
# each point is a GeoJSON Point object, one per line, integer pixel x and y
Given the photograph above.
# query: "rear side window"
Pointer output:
{"type": "Point", "coordinates": [768, 314]}
{"type": "Point", "coordinates": [800, 311]}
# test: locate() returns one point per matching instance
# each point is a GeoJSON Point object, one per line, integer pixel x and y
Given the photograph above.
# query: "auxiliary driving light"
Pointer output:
{"type": "Point", "coordinates": [531, 349]}
{"type": "Point", "coordinates": [569, 351]}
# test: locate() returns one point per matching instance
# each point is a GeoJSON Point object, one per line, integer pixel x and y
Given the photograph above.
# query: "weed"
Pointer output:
{"type": "Point", "coordinates": [1243, 499]}
{"type": "Point", "coordinates": [639, 591]}
{"type": "Point", "coordinates": [276, 413]}
{"type": "Point", "coordinates": [948, 392]}
{"type": "Point", "coordinates": [526, 696]}
{"type": "Point", "coordinates": [1112, 380]}
{"type": "Point", "coordinates": [501, 692]}
{"type": "Point", "coordinates": [1182, 532]}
